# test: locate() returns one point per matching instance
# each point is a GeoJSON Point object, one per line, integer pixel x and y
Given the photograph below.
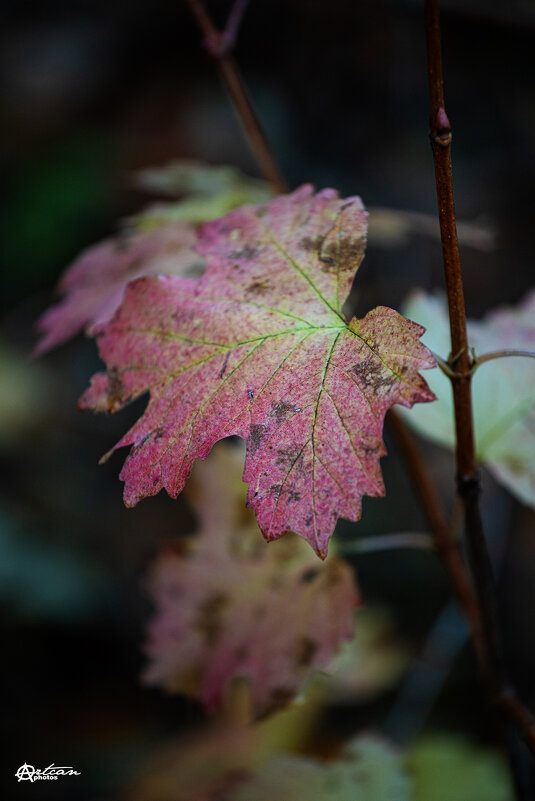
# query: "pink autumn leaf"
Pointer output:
{"type": "Point", "coordinates": [258, 347]}
{"type": "Point", "coordinates": [93, 287]}
{"type": "Point", "coordinates": [220, 601]}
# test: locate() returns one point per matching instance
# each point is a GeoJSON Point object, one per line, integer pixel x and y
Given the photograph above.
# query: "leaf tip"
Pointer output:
{"type": "Point", "coordinates": [104, 458]}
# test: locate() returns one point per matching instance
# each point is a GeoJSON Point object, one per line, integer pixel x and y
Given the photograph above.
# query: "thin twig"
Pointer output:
{"type": "Point", "coordinates": [234, 20]}
{"type": "Point", "coordinates": [508, 703]}
{"type": "Point", "coordinates": [502, 354]}
{"type": "Point", "coordinates": [219, 45]}
{"type": "Point", "coordinates": [387, 542]}
{"type": "Point", "coordinates": [467, 473]}
{"type": "Point", "coordinates": [445, 545]}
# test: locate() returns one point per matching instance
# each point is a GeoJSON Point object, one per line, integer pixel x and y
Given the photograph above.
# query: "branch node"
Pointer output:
{"type": "Point", "coordinates": [218, 45]}
{"type": "Point", "coordinates": [469, 486]}
{"type": "Point", "coordinates": [441, 130]}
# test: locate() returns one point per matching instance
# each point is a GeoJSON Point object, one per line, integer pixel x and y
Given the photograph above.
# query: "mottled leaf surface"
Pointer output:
{"type": "Point", "coordinates": [93, 286]}
{"type": "Point", "coordinates": [258, 347]}
{"type": "Point", "coordinates": [502, 390]}
{"type": "Point", "coordinates": [220, 601]}
{"type": "Point", "coordinates": [158, 240]}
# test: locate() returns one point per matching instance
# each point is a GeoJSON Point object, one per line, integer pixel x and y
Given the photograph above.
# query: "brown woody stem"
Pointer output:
{"type": "Point", "coordinates": [220, 44]}
{"type": "Point", "coordinates": [467, 472]}
{"type": "Point", "coordinates": [445, 545]}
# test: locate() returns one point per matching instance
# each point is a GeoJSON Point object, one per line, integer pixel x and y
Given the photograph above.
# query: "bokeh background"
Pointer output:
{"type": "Point", "coordinates": [95, 90]}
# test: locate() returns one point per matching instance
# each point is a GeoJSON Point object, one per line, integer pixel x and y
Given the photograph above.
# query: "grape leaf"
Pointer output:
{"type": "Point", "coordinates": [221, 598]}
{"type": "Point", "coordinates": [94, 285]}
{"type": "Point", "coordinates": [258, 347]}
{"type": "Point", "coordinates": [502, 390]}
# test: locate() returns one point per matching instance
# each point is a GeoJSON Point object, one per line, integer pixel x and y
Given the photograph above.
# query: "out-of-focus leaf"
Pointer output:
{"type": "Point", "coordinates": [158, 241]}
{"type": "Point", "coordinates": [194, 209]}
{"type": "Point", "coordinates": [24, 392]}
{"type": "Point", "coordinates": [258, 347]}
{"type": "Point", "coordinates": [227, 763]}
{"type": "Point", "coordinates": [448, 768]}
{"type": "Point", "coordinates": [206, 764]}
{"type": "Point", "coordinates": [503, 390]}
{"type": "Point", "coordinates": [93, 287]}
{"type": "Point", "coordinates": [201, 767]}
{"type": "Point", "coordinates": [369, 770]}
{"type": "Point", "coordinates": [188, 177]}
{"type": "Point", "coordinates": [367, 665]}
{"type": "Point", "coordinates": [392, 228]}
{"type": "Point", "coordinates": [206, 192]}
{"type": "Point", "coordinates": [231, 606]}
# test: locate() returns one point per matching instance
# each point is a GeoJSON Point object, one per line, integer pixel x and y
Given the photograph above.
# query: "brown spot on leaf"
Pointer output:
{"type": "Point", "coordinates": [292, 496]}
{"type": "Point", "coordinates": [341, 252]}
{"type": "Point", "coordinates": [336, 251]}
{"type": "Point", "coordinates": [304, 651]}
{"type": "Point", "coordinates": [209, 618]}
{"type": "Point", "coordinates": [374, 375]}
{"type": "Point", "coordinates": [115, 389]}
{"type": "Point", "coordinates": [259, 287]}
{"type": "Point", "coordinates": [280, 696]}
{"type": "Point", "coordinates": [310, 574]}
{"type": "Point", "coordinates": [312, 244]}
{"type": "Point", "coordinates": [246, 252]}
{"type": "Point", "coordinates": [255, 437]}
{"type": "Point", "coordinates": [279, 410]}
{"type": "Point", "coordinates": [285, 456]}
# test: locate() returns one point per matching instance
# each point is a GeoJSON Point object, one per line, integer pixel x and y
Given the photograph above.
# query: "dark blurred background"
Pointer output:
{"type": "Point", "coordinates": [95, 90]}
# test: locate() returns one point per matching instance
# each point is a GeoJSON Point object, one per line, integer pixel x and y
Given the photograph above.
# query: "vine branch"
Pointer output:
{"type": "Point", "coordinates": [220, 45]}
{"type": "Point", "coordinates": [467, 473]}
{"type": "Point", "coordinates": [445, 545]}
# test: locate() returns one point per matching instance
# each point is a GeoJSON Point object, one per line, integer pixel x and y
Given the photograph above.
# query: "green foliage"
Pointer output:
{"type": "Point", "coordinates": [448, 768]}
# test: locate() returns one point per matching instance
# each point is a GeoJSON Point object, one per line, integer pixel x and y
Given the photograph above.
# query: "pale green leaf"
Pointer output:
{"type": "Point", "coordinates": [502, 390]}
